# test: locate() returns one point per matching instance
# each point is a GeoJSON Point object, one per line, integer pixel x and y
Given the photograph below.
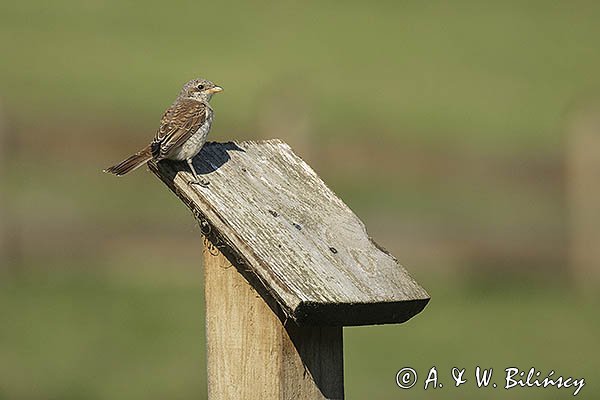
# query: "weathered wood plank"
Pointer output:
{"type": "Point", "coordinates": [251, 354]}
{"type": "Point", "coordinates": [299, 245]}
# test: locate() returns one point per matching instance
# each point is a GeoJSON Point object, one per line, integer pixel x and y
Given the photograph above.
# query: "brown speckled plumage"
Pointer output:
{"type": "Point", "coordinates": [183, 129]}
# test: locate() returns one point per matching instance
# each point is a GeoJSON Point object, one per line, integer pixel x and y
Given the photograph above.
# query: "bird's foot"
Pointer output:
{"type": "Point", "coordinates": [200, 181]}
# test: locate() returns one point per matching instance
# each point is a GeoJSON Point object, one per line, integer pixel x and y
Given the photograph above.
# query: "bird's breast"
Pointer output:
{"type": "Point", "coordinates": [194, 144]}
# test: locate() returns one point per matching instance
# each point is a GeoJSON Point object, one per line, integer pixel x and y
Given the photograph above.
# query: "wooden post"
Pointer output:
{"type": "Point", "coordinates": [288, 264]}
{"type": "Point", "coordinates": [3, 164]}
{"type": "Point", "coordinates": [6, 217]}
{"type": "Point", "coordinates": [11, 257]}
{"type": "Point", "coordinates": [583, 189]}
{"type": "Point", "coordinates": [252, 355]}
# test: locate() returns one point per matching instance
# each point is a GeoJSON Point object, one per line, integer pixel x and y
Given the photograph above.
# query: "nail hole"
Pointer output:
{"type": "Point", "coordinates": [333, 250]}
{"type": "Point", "coordinates": [273, 213]}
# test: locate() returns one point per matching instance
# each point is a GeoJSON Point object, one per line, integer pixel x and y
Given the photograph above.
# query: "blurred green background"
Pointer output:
{"type": "Point", "coordinates": [444, 125]}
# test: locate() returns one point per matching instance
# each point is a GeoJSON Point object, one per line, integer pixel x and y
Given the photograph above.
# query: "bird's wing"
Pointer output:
{"type": "Point", "coordinates": [178, 123]}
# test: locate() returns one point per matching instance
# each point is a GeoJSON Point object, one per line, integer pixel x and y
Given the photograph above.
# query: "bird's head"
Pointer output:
{"type": "Point", "coordinates": [200, 89]}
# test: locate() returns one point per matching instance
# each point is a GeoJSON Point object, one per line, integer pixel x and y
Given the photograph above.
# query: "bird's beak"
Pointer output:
{"type": "Point", "coordinates": [215, 89]}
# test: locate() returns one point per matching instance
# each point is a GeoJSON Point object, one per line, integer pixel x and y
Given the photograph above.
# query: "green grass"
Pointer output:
{"type": "Point", "coordinates": [93, 335]}
{"type": "Point", "coordinates": [494, 76]}
{"type": "Point", "coordinates": [512, 326]}
{"type": "Point", "coordinates": [81, 335]}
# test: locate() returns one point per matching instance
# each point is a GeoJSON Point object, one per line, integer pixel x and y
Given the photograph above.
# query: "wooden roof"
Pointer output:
{"type": "Point", "coordinates": [294, 240]}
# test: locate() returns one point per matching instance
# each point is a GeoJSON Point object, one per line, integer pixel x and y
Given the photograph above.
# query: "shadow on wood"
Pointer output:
{"type": "Point", "coordinates": [253, 355]}
{"type": "Point", "coordinates": [306, 249]}
{"type": "Point", "coordinates": [305, 267]}
{"type": "Point", "coordinates": [218, 154]}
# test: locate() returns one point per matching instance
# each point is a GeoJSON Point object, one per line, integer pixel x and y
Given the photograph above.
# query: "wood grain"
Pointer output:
{"type": "Point", "coordinates": [293, 239]}
{"type": "Point", "coordinates": [251, 354]}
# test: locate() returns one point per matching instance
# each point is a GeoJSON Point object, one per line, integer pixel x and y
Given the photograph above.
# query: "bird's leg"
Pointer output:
{"type": "Point", "coordinates": [198, 181]}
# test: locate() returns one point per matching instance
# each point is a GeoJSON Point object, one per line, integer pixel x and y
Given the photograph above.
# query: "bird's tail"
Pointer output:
{"type": "Point", "coordinates": [131, 163]}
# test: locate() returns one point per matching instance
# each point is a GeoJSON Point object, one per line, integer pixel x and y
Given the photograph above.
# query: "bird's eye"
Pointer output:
{"type": "Point", "coordinates": [200, 87]}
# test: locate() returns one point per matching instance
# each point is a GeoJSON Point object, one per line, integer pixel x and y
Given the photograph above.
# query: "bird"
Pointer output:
{"type": "Point", "coordinates": [183, 129]}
